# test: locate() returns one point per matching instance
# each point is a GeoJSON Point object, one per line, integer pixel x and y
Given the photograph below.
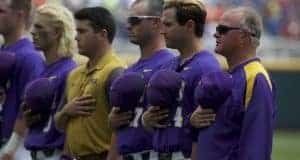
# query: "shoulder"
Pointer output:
{"type": "Point", "coordinates": [255, 68]}
{"type": "Point", "coordinates": [115, 62]}
{"type": "Point", "coordinates": [206, 58]}
{"type": "Point", "coordinates": [170, 63]}
{"type": "Point", "coordinates": [67, 66]}
{"type": "Point", "coordinates": [75, 73]}
{"type": "Point", "coordinates": [206, 62]}
{"type": "Point", "coordinates": [28, 54]}
{"type": "Point", "coordinates": [255, 74]}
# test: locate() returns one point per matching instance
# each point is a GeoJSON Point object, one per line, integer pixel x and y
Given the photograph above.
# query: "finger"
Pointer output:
{"type": "Point", "coordinates": [86, 108]}
{"type": "Point", "coordinates": [202, 125]}
{"type": "Point", "coordinates": [160, 117]}
{"type": "Point", "coordinates": [163, 111]}
{"type": "Point", "coordinates": [85, 97]}
{"type": "Point", "coordinates": [27, 112]}
{"type": "Point", "coordinates": [115, 109]}
{"type": "Point", "coordinates": [153, 108]}
{"type": "Point", "coordinates": [83, 113]}
{"type": "Point", "coordinates": [161, 125]}
{"type": "Point", "coordinates": [86, 102]}
{"type": "Point", "coordinates": [209, 116]}
{"type": "Point", "coordinates": [156, 113]}
{"type": "Point", "coordinates": [155, 117]}
{"type": "Point", "coordinates": [206, 111]}
{"type": "Point", "coordinates": [203, 121]}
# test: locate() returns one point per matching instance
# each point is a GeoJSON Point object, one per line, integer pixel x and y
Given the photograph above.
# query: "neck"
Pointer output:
{"type": "Point", "coordinates": [190, 48]}
{"type": "Point", "coordinates": [52, 55]}
{"type": "Point", "coordinates": [13, 37]}
{"type": "Point", "coordinates": [100, 52]}
{"type": "Point", "coordinates": [153, 46]}
{"type": "Point", "coordinates": [239, 57]}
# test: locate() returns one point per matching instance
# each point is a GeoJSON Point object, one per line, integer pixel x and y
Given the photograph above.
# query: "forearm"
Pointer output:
{"type": "Point", "coordinates": [113, 152]}
{"type": "Point", "coordinates": [194, 151]}
{"type": "Point", "coordinates": [17, 137]}
{"type": "Point", "coordinates": [61, 120]}
{"type": "Point", "coordinates": [20, 126]}
{"type": "Point", "coordinates": [145, 125]}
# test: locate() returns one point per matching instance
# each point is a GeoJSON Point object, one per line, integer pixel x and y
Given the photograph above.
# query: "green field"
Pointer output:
{"type": "Point", "coordinates": [286, 145]}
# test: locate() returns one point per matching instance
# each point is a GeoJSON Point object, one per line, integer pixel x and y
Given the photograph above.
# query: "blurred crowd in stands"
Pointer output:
{"type": "Point", "coordinates": [281, 17]}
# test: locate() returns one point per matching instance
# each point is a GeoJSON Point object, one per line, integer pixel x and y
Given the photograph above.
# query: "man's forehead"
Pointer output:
{"type": "Point", "coordinates": [231, 18]}
{"type": "Point", "coordinates": [138, 9]}
{"type": "Point", "coordinates": [5, 2]}
{"type": "Point", "coordinates": [82, 23]}
{"type": "Point", "coordinates": [168, 13]}
{"type": "Point", "coordinates": [199, 3]}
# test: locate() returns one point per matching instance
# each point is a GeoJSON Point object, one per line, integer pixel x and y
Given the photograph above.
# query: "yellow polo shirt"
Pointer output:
{"type": "Point", "coordinates": [90, 134]}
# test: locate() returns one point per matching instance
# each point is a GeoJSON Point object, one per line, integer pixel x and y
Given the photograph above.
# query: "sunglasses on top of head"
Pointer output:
{"type": "Point", "coordinates": [223, 29]}
{"type": "Point", "coordinates": [135, 20]}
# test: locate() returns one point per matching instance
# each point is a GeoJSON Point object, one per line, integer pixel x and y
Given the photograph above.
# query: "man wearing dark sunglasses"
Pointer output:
{"type": "Point", "coordinates": [244, 123]}
{"type": "Point", "coordinates": [184, 23]}
{"type": "Point", "coordinates": [145, 30]}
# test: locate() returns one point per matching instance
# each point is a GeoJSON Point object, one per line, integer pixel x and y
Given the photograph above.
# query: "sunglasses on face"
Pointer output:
{"type": "Point", "coordinates": [135, 20]}
{"type": "Point", "coordinates": [222, 29]}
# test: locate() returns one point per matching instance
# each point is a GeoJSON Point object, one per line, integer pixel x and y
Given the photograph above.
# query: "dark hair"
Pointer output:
{"type": "Point", "coordinates": [26, 6]}
{"type": "Point", "coordinates": [189, 11]}
{"type": "Point", "coordinates": [154, 7]}
{"type": "Point", "coordinates": [99, 18]}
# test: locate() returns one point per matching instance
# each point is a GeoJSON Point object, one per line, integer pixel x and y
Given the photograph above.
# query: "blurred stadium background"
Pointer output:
{"type": "Point", "coordinates": [279, 51]}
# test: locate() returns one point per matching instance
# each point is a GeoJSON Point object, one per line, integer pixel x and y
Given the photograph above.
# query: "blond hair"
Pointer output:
{"type": "Point", "coordinates": [62, 18]}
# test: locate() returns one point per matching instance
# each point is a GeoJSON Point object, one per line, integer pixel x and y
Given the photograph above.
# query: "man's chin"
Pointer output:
{"type": "Point", "coordinates": [170, 45]}
{"type": "Point", "coordinates": [38, 48]}
{"type": "Point", "coordinates": [133, 41]}
{"type": "Point", "coordinates": [81, 52]}
{"type": "Point", "coordinates": [218, 50]}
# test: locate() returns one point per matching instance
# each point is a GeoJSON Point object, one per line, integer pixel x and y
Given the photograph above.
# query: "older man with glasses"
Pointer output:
{"type": "Point", "coordinates": [244, 122]}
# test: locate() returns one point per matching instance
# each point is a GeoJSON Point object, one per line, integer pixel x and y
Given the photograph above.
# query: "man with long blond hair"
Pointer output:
{"type": "Point", "coordinates": [54, 34]}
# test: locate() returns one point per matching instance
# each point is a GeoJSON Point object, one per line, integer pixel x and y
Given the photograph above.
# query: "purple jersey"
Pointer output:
{"type": "Point", "coordinates": [178, 136]}
{"type": "Point", "coordinates": [29, 64]}
{"type": "Point", "coordinates": [134, 138]}
{"type": "Point", "coordinates": [244, 123]}
{"type": "Point", "coordinates": [47, 136]}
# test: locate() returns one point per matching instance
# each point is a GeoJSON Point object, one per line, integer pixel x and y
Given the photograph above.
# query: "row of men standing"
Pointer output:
{"type": "Point", "coordinates": [240, 128]}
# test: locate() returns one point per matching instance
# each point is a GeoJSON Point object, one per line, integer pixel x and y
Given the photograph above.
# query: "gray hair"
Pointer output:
{"type": "Point", "coordinates": [251, 21]}
{"type": "Point", "coordinates": [154, 7]}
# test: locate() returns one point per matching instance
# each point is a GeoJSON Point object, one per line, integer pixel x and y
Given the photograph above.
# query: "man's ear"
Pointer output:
{"type": "Point", "coordinates": [245, 37]}
{"type": "Point", "coordinates": [102, 34]}
{"type": "Point", "coordinates": [190, 25]}
{"type": "Point", "coordinates": [59, 32]}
